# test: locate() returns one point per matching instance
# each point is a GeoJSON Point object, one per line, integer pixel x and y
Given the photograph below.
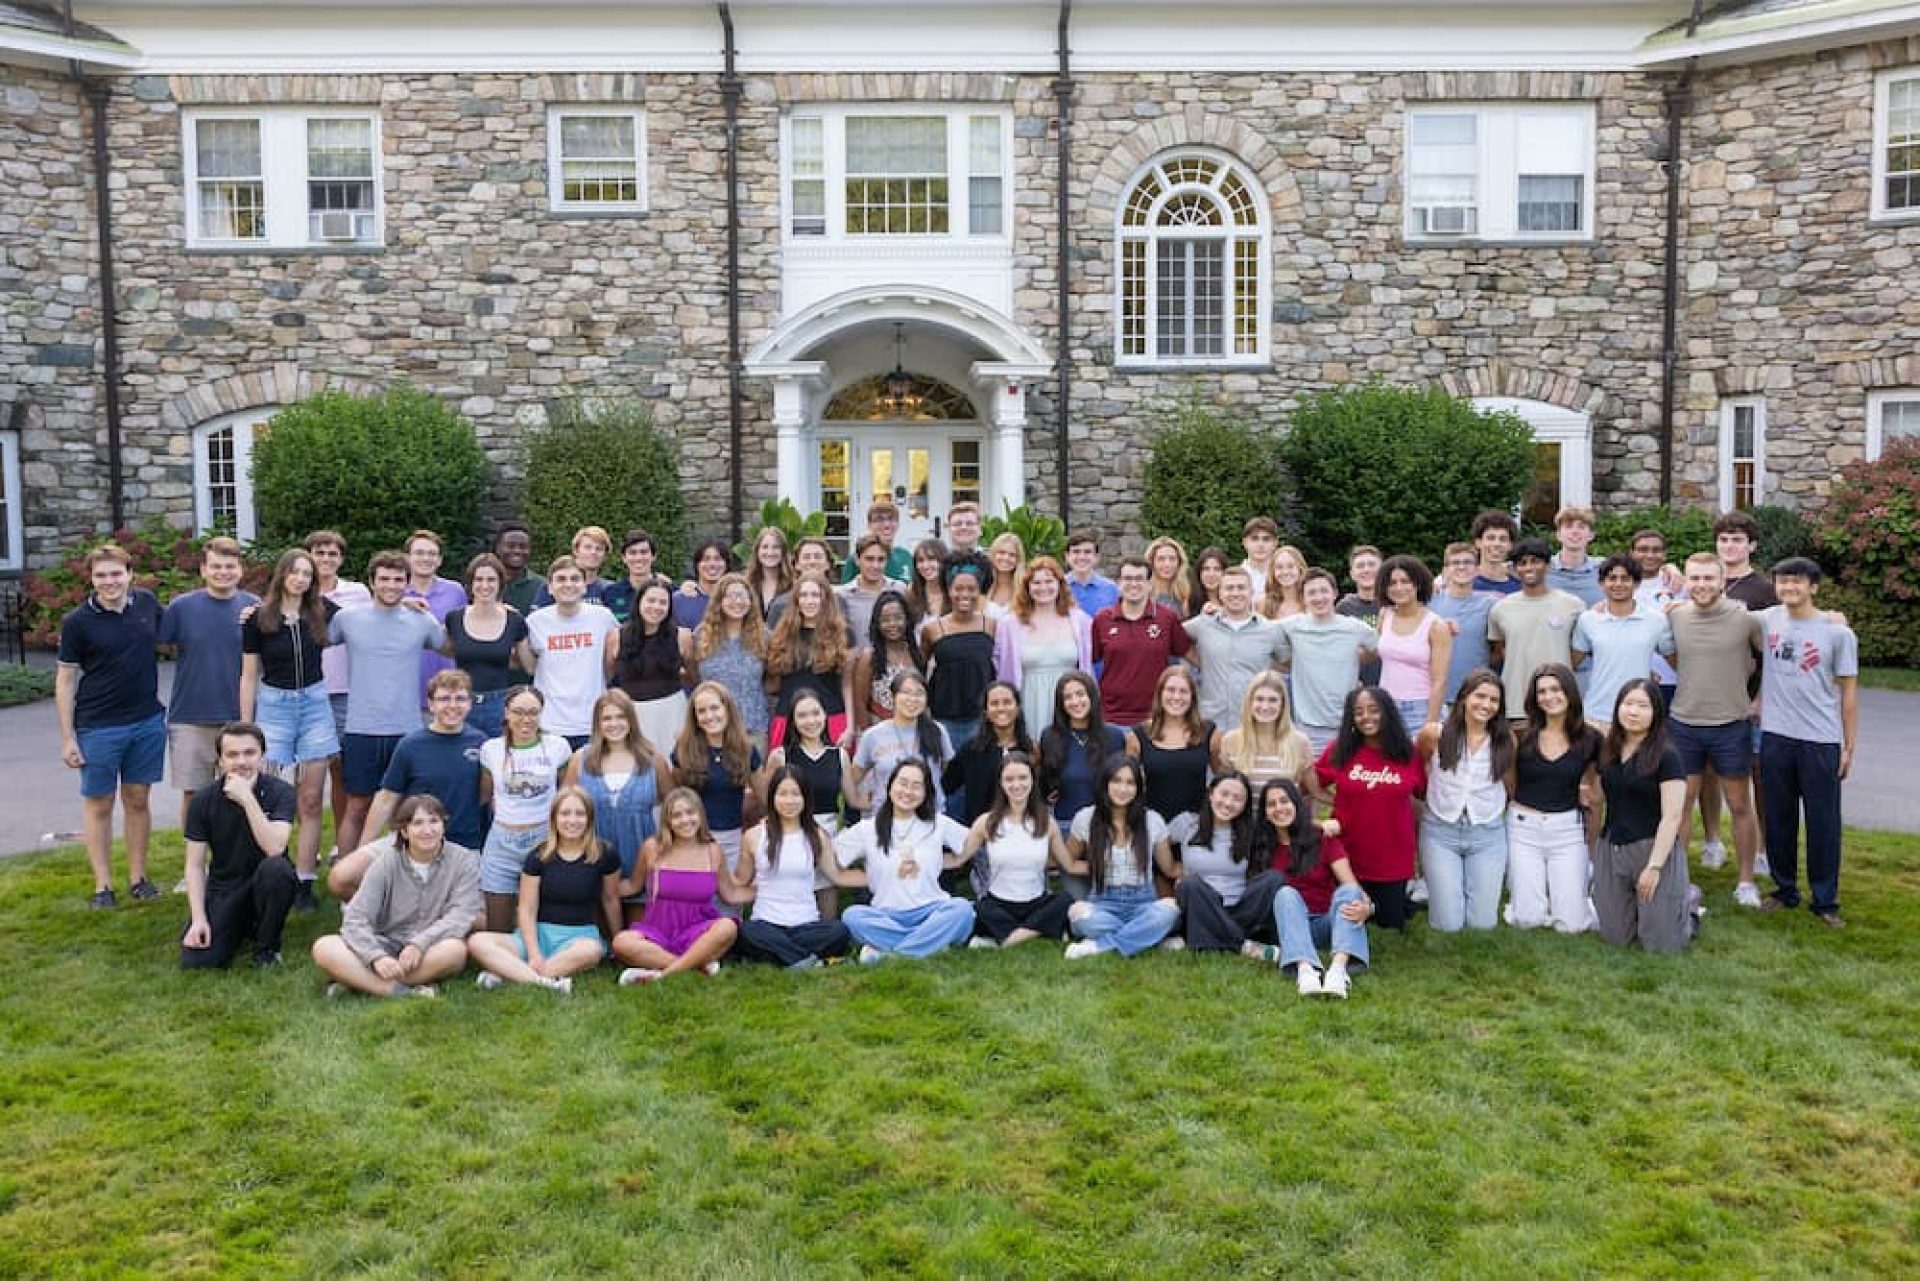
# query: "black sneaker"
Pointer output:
{"type": "Point", "coordinates": [144, 891]}
{"type": "Point", "coordinates": [303, 897]}
{"type": "Point", "coordinates": [265, 960]}
{"type": "Point", "coordinates": [103, 899]}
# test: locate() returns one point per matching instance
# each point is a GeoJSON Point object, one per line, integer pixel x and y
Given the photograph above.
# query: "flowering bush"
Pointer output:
{"type": "Point", "coordinates": [1870, 524]}
{"type": "Point", "coordinates": [166, 561]}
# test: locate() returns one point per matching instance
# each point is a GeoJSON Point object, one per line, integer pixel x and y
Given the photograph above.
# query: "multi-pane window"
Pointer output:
{"type": "Point", "coordinates": [896, 173]}
{"type": "Point", "coordinates": [1518, 172]}
{"type": "Point", "coordinates": [1896, 149]}
{"type": "Point", "coordinates": [282, 178]}
{"type": "Point", "coordinates": [596, 160]}
{"type": "Point", "coordinates": [966, 474]}
{"type": "Point", "coordinates": [836, 492]}
{"type": "Point", "coordinates": [1743, 453]}
{"type": "Point", "coordinates": [223, 471]}
{"type": "Point", "coordinates": [10, 500]}
{"type": "Point", "coordinates": [1192, 258]}
{"type": "Point", "coordinates": [1890, 416]}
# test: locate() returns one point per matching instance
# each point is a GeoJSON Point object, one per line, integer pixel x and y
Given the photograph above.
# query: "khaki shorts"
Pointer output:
{"type": "Point", "coordinates": [192, 754]}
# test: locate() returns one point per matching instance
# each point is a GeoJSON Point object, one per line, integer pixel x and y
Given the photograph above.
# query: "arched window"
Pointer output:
{"type": "Point", "coordinates": [223, 471]}
{"type": "Point", "coordinates": [1193, 276]}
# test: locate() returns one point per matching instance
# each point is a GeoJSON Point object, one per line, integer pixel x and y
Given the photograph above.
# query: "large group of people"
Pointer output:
{"type": "Point", "coordinates": [964, 745]}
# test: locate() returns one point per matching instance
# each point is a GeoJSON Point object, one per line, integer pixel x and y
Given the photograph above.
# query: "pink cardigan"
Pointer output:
{"type": "Point", "coordinates": [1012, 633]}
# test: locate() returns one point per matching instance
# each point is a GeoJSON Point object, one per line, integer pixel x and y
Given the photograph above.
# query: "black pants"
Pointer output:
{"type": "Point", "coordinates": [255, 908]}
{"type": "Point", "coordinates": [1795, 773]}
{"type": "Point", "coordinates": [792, 944]}
{"type": "Point", "coordinates": [995, 918]}
{"type": "Point", "coordinates": [1389, 903]}
{"type": "Point", "coordinates": [1212, 926]}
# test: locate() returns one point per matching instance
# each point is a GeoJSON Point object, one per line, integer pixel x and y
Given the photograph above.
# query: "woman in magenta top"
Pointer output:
{"type": "Point", "coordinates": [1371, 774]}
{"type": "Point", "coordinates": [681, 870]}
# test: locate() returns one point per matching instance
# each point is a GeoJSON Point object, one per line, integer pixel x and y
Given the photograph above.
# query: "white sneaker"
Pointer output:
{"type": "Point", "coordinates": [871, 955]}
{"type": "Point", "coordinates": [1713, 856]}
{"type": "Point", "coordinates": [1335, 984]}
{"type": "Point", "coordinates": [1760, 865]}
{"type": "Point", "coordinates": [1173, 943]}
{"type": "Point", "coordinates": [563, 986]}
{"type": "Point", "coordinates": [1417, 890]}
{"type": "Point", "coordinates": [1307, 979]}
{"type": "Point", "coordinates": [636, 974]}
{"type": "Point", "coordinates": [489, 981]}
{"type": "Point", "coordinates": [426, 990]}
{"type": "Point", "coordinates": [1083, 949]}
{"type": "Point", "coordinates": [981, 943]}
{"type": "Point", "coordinates": [711, 969]}
{"type": "Point", "coordinates": [336, 990]}
{"type": "Point", "coordinates": [1747, 894]}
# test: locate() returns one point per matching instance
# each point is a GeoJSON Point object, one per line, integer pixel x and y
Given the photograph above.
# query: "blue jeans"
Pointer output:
{"type": "Point", "coordinates": [1303, 935]}
{"type": "Point", "coordinates": [1127, 920]}
{"type": "Point", "coordinates": [1465, 865]}
{"type": "Point", "coordinates": [912, 931]}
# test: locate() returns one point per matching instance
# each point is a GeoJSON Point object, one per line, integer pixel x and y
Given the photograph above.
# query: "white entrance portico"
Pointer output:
{"type": "Point", "coordinates": [917, 394]}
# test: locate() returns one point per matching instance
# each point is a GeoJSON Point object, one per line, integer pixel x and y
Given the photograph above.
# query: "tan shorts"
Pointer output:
{"type": "Point", "coordinates": [192, 754]}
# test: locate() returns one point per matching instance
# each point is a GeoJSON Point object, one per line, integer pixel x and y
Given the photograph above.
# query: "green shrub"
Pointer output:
{"type": "Point", "coordinates": [20, 684]}
{"type": "Point", "coordinates": [1406, 469]}
{"type": "Point", "coordinates": [374, 468]}
{"type": "Point", "coordinates": [1040, 534]}
{"type": "Point", "coordinates": [1784, 532]}
{"type": "Point", "coordinates": [604, 463]}
{"type": "Point", "coordinates": [781, 514]}
{"type": "Point", "coordinates": [1686, 531]}
{"type": "Point", "coordinates": [1211, 469]}
{"type": "Point", "coordinates": [1870, 523]}
{"type": "Point", "coordinates": [1889, 630]}
{"type": "Point", "coordinates": [166, 561]}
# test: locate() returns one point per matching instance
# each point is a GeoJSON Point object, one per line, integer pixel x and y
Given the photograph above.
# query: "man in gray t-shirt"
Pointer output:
{"type": "Point", "coordinates": [1230, 646]}
{"type": "Point", "coordinates": [1323, 649]}
{"type": "Point", "coordinates": [1809, 719]}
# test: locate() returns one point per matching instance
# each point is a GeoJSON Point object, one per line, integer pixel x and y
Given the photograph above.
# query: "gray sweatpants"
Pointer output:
{"type": "Point", "coordinates": [1661, 925]}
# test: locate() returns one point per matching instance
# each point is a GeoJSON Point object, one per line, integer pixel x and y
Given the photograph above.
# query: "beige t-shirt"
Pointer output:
{"type": "Point", "coordinates": [1714, 652]}
{"type": "Point", "coordinates": [1534, 630]}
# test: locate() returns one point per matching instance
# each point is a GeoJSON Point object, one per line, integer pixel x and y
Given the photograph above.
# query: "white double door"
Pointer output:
{"type": "Point", "coordinates": [924, 470]}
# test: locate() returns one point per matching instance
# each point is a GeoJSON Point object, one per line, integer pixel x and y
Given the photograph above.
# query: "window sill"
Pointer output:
{"type": "Point", "coordinates": [286, 251]}
{"type": "Point", "coordinates": [1502, 242]}
{"type": "Point", "coordinates": [1894, 217]}
{"type": "Point", "coordinates": [1137, 366]}
{"type": "Point", "coordinates": [582, 214]}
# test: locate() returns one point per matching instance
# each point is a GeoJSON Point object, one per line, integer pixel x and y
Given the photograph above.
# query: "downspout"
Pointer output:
{"type": "Point", "coordinates": [1679, 97]}
{"type": "Point", "coordinates": [1063, 366]}
{"type": "Point", "coordinates": [730, 90]}
{"type": "Point", "coordinates": [97, 98]}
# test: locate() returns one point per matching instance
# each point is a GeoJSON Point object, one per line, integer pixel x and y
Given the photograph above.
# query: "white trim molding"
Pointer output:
{"type": "Point", "coordinates": [1555, 425]}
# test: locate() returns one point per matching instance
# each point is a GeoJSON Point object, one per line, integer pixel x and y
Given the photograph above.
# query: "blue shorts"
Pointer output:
{"type": "Point", "coordinates": [1728, 748]}
{"type": "Point", "coordinates": [116, 754]}
{"type": "Point", "coordinates": [553, 938]}
{"type": "Point", "coordinates": [298, 724]}
{"type": "Point", "coordinates": [504, 854]}
{"type": "Point", "coordinates": [364, 759]}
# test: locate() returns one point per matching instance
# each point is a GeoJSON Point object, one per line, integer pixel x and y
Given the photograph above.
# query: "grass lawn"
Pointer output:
{"type": "Point", "coordinates": [1502, 1105]}
{"type": "Point", "coordinates": [1906, 679]}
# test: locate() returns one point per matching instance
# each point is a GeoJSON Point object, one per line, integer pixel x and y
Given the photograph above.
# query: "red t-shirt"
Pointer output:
{"type": "Point", "coordinates": [1317, 884]}
{"type": "Point", "coordinates": [1133, 652]}
{"type": "Point", "coordinates": [1373, 799]}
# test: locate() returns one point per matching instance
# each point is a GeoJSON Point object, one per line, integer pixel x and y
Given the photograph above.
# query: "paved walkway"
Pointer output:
{"type": "Point", "coordinates": [40, 798]}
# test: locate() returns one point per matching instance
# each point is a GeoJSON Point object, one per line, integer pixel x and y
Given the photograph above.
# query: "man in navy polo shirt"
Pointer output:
{"type": "Point", "coordinates": [240, 885]}
{"type": "Point", "coordinates": [112, 727]}
{"type": "Point", "coordinates": [1133, 641]}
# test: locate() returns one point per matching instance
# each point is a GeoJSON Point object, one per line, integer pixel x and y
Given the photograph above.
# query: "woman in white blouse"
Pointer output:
{"type": "Point", "coordinates": [1463, 828]}
{"type": "Point", "coordinates": [902, 850]}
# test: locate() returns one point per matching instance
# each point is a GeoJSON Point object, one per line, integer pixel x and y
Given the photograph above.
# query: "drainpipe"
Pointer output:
{"type": "Point", "coordinates": [730, 90]}
{"type": "Point", "coordinates": [1063, 367]}
{"type": "Point", "coordinates": [1679, 97]}
{"type": "Point", "coordinates": [97, 98]}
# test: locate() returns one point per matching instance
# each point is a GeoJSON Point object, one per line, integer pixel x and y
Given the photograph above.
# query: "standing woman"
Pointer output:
{"type": "Point", "coordinates": [1463, 833]}
{"type": "Point", "coordinates": [1265, 745]}
{"type": "Point", "coordinates": [681, 869]}
{"type": "Point", "coordinates": [890, 650]}
{"type": "Point", "coordinates": [1415, 647]}
{"type": "Point", "coordinates": [731, 648]}
{"type": "Point", "coordinates": [974, 771]}
{"type": "Point", "coordinates": [911, 732]}
{"type": "Point", "coordinates": [1076, 745]}
{"type": "Point", "coordinates": [770, 573]}
{"type": "Point", "coordinates": [624, 775]}
{"type": "Point", "coordinates": [903, 849]}
{"type": "Point", "coordinates": [716, 761]}
{"type": "Point", "coordinates": [809, 651]}
{"type": "Point", "coordinates": [1370, 774]}
{"type": "Point", "coordinates": [1322, 906]}
{"type": "Point", "coordinates": [1045, 637]}
{"type": "Point", "coordinates": [1549, 850]}
{"type": "Point", "coordinates": [1117, 842]}
{"type": "Point", "coordinates": [651, 663]}
{"type": "Point", "coordinates": [927, 593]}
{"type": "Point", "coordinates": [1020, 839]}
{"type": "Point", "coordinates": [1007, 555]}
{"type": "Point", "coordinates": [821, 767]}
{"type": "Point", "coordinates": [1175, 747]}
{"type": "Point", "coordinates": [1226, 888]}
{"type": "Point", "coordinates": [779, 859]}
{"type": "Point", "coordinates": [566, 885]}
{"type": "Point", "coordinates": [1207, 568]}
{"type": "Point", "coordinates": [519, 774]}
{"type": "Point", "coordinates": [959, 649]}
{"type": "Point", "coordinates": [1283, 598]}
{"type": "Point", "coordinates": [1640, 886]}
{"type": "Point", "coordinates": [482, 637]}
{"type": "Point", "coordinates": [283, 689]}
{"type": "Point", "coordinates": [1169, 584]}
{"type": "Point", "coordinates": [712, 561]}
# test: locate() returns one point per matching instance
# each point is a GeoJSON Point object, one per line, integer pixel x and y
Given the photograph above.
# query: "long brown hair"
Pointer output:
{"type": "Point", "coordinates": [1157, 719]}
{"type": "Point", "coordinates": [712, 632]}
{"type": "Point", "coordinates": [1453, 734]}
{"type": "Point", "coordinates": [597, 742]}
{"type": "Point", "coordinates": [311, 606]}
{"type": "Point", "coordinates": [791, 648]}
{"type": "Point", "coordinates": [755, 574]}
{"type": "Point", "coordinates": [690, 752]}
{"type": "Point", "coordinates": [1034, 816]}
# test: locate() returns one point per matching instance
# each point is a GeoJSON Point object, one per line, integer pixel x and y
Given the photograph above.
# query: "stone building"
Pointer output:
{"type": "Point", "coordinates": [509, 203]}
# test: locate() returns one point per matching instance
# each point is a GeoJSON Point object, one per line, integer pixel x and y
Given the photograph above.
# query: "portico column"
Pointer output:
{"type": "Point", "coordinates": [794, 385]}
{"type": "Point", "coordinates": [1004, 388]}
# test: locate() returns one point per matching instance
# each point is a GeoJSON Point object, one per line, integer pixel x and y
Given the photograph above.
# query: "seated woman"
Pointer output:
{"type": "Point", "coordinates": [407, 927]}
{"type": "Point", "coordinates": [1018, 838]}
{"type": "Point", "coordinates": [1322, 904]}
{"type": "Point", "coordinates": [1116, 842]}
{"type": "Point", "coordinates": [909, 731]}
{"type": "Point", "coordinates": [566, 885]}
{"type": "Point", "coordinates": [1225, 889]}
{"type": "Point", "coordinates": [903, 849]}
{"type": "Point", "coordinates": [1640, 886]}
{"type": "Point", "coordinates": [779, 859]}
{"type": "Point", "coordinates": [681, 870]}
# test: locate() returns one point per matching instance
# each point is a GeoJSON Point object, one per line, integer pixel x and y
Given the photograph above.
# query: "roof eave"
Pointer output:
{"type": "Point", "coordinates": [1779, 35]}
{"type": "Point", "coordinates": [19, 44]}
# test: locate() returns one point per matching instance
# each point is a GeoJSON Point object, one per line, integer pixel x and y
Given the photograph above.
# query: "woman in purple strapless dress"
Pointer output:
{"type": "Point", "coordinates": [680, 870]}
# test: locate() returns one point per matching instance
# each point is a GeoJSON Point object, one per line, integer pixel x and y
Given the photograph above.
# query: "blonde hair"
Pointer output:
{"type": "Point", "coordinates": [1252, 740]}
{"type": "Point", "coordinates": [550, 847]}
{"type": "Point", "coordinates": [1020, 567]}
{"type": "Point", "coordinates": [1275, 598]}
{"type": "Point", "coordinates": [690, 753]}
{"type": "Point", "coordinates": [1180, 586]}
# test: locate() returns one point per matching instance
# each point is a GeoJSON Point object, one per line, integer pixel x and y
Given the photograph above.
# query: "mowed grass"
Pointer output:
{"type": "Point", "coordinates": [1499, 1105]}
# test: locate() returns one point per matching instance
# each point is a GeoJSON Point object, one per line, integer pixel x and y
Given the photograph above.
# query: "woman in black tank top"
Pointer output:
{"type": "Point", "coordinates": [959, 646]}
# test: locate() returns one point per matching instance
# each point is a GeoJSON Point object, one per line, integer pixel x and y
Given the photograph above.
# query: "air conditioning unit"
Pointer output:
{"type": "Point", "coordinates": [1445, 220]}
{"type": "Point", "coordinates": [338, 224]}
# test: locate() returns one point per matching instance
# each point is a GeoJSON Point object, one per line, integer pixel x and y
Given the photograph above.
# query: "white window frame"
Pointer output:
{"type": "Point", "coordinates": [556, 185]}
{"type": "Point", "coordinates": [1555, 425]}
{"type": "Point", "coordinates": [244, 425]}
{"type": "Point", "coordinates": [284, 177]}
{"type": "Point", "coordinates": [1877, 402]}
{"type": "Point", "coordinates": [1729, 459]}
{"type": "Point", "coordinates": [1497, 171]}
{"type": "Point", "coordinates": [959, 118]}
{"type": "Point", "coordinates": [1882, 123]}
{"type": "Point", "coordinates": [15, 556]}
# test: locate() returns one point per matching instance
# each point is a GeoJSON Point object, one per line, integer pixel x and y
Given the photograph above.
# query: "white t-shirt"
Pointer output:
{"type": "Point", "coordinates": [917, 846]}
{"type": "Point", "coordinates": [1211, 863]}
{"type": "Point", "coordinates": [885, 745]}
{"type": "Point", "coordinates": [572, 670]}
{"type": "Point", "coordinates": [1017, 862]}
{"type": "Point", "coordinates": [524, 778]}
{"type": "Point", "coordinates": [1121, 871]}
{"type": "Point", "coordinates": [784, 893]}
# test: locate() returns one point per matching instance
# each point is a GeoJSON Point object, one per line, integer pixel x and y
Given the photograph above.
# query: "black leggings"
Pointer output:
{"type": "Point", "coordinates": [1389, 903]}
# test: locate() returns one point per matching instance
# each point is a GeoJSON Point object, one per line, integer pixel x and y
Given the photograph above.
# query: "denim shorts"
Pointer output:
{"type": "Point", "coordinates": [553, 938]}
{"type": "Point", "coordinates": [1728, 748]}
{"type": "Point", "coordinates": [504, 854]}
{"type": "Point", "coordinates": [116, 754]}
{"type": "Point", "coordinates": [298, 724]}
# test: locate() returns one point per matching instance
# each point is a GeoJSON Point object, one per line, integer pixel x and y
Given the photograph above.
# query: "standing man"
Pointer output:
{"type": "Point", "coordinates": [1661, 587]}
{"type": "Point", "coordinates": [1716, 649]}
{"type": "Point", "coordinates": [1363, 603]}
{"type": "Point", "coordinates": [1259, 539]}
{"type": "Point", "coordinates": [871, 577]}
{"type": "Point", "coordinates": [1809, 722]}
{"type": "Point", "coordinates": [883, 523]}
{"type": "Point", "coordinates": [1571, 570]}
{"type": "Point", "coordinates": [203, 627]}
{"type": "Point", "coordinates": [113, 730]}
{"type": "Point", "coordinates": [1133, 641]}
{"type": "Point", "coordinates": [1530, 627]}
{"type": "Point", "coordinates": [1323, 650]}
{"type": "Point", "coordinates": [573, 643]}
{"type": "Point", "coordinates": [637, 553]}
{"type": "Point", "coordinates": [442, 595]}
{"type": "Point", "coordinates": [1092, 590]}
{"type": "Point", "coordinates": [329, 552]}
{"type": "Point", "coordinates": [1736, 536]}
{"type": "Point", "coordinates": [382, 641]}
{"type": "Point", "coordinates": [1231, 646]}
{"type": "Point", "coordinates": [240, 885]}
{"type": "Point", "coordinates": [513, 544]}
{"type": "Point", "coordinates": [963, 534]}
{"type": "Point", "coordinates": [1466, 611]}
{"type": "Point", "coordinates": [1493, 534]}
{"type": "Point", "coordinates": [1623, 637]}
{"type": "Point", "coordinates": [442, 761]}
